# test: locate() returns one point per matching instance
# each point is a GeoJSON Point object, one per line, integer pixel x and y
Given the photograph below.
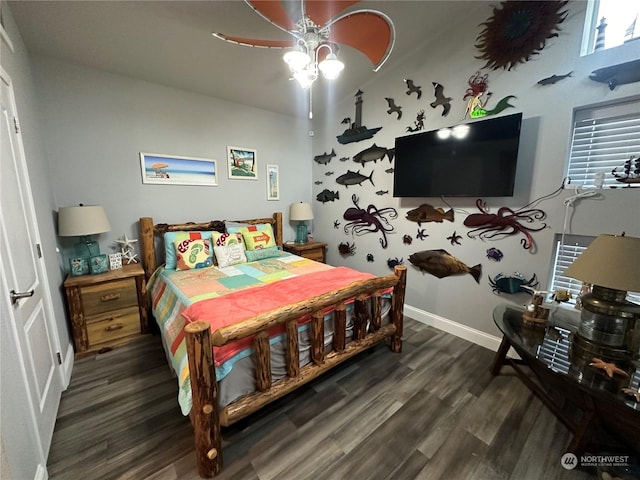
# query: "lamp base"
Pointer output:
{"type": "Point", "coordinates": [301, 233]}
{"type": "Point", "coordinates": [87, 247]}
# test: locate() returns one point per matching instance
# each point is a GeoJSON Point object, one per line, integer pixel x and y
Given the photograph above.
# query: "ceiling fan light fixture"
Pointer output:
{"type": "Point", "coordinates": [305, 78]}
{"type": "Point", "coordinates": [297, 59]}
{"type": "Point", "coordinates": [331, 66]}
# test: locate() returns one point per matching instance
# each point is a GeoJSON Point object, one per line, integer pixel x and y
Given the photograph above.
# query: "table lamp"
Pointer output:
{"type": "Point", "coordinates": [611, 264]}
{"type": "Point", "coordinates": [83, 221]}
{"type": "Point", "coordinates": [301, 212]}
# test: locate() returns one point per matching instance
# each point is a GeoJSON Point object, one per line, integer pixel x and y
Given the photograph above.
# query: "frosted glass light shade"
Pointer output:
{"type": "Point", "coordinates": [331, 67]}
{"type": "Point", "coordinates": [297, 59]}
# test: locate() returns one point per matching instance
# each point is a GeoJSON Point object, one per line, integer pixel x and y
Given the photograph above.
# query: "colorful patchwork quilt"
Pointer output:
{"type": "Point", "coordinates": [219, 296]}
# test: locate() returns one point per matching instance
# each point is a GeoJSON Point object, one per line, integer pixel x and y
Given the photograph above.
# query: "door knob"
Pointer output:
{"type": "Point", "coordinates": [15, 296]}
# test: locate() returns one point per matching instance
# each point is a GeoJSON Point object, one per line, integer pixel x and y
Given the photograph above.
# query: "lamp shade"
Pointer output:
{"type": "Point", "coordinates": [300, 211]}
{"type": "Point", "coordinates": [82, 220]}
{"type": "Point", "coordinates": [610, 261]}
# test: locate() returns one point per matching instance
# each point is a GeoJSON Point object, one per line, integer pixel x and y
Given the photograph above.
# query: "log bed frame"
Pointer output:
{"type": "Point", "coordinates": [206, 417]}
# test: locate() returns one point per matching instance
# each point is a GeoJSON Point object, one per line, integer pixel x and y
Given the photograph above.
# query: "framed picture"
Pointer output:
{"type": "Point", "coordinates": [99, 264]}
{"type": "Point", "coordinates": [273, 183]}
{"type": "Point", "coordinates": [158, 169]}
{"type": "Point", "coordinates": [242, 163]}
{"type": "Point", "coordinates": [79, 266]}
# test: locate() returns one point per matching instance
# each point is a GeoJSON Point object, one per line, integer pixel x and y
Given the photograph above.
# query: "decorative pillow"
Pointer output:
{"type": "Point", "coordinates": [228, 249]}
{"type": "Point", "coordinates": [256, 238]}
{"type": "Point", "coordinates": [253, 255]}
{"type": "Point", "coordinates": [169, 246]}
{"type": "Point", "coordinates": [193, 253]}
{"type": "Point", "coordinates": [234, 227]}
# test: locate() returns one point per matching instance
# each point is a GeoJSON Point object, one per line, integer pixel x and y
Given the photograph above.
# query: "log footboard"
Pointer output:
{"type": "Point", "coordinates": [208, 418]}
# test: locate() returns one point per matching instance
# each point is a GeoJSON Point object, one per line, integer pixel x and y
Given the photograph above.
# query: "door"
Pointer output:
{"type": "Point", "coordinates": [31, 376]}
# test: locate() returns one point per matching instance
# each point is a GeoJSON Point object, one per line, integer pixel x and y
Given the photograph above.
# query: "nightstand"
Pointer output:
{"type": "Point", "coordinates": [311, 250]}
{"type": "Point", "coordinates": [107, 310]}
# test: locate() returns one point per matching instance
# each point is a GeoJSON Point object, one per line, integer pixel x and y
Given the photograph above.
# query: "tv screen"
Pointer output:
{"type": "Point", "coordinates": [476, 159]}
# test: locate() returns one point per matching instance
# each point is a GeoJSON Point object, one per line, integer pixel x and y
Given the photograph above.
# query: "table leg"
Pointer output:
{"type": "Point", "coordinates": [501, 354]}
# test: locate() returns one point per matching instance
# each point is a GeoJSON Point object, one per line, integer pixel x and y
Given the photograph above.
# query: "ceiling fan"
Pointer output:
{"type": "Point", "coordinates": [317, 28]}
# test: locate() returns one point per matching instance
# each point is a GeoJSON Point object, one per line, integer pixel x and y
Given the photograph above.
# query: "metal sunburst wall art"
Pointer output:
{"type": "Point", "coordinates": [517, 30]}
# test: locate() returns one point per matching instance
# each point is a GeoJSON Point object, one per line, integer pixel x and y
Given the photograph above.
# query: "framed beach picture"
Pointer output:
{"type": "Point", "coordinates": [273, 183]}
{"type": "Point", "coordinates": [242, 163]}
{"type": "Point", "coordinates": [158, 169]}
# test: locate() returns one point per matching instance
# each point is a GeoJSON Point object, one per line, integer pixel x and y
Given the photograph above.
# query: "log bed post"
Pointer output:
{"type": "Point", "coordinates": [397, 307]}
{"type": "Point", "coordinates": [147, 246]}
{"type": "Point", "coordinates": [204, 409]}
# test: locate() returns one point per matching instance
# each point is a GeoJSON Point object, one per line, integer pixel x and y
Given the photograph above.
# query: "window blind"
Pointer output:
{"type": "Point", "coordinates": [555, 351]}
{"type": "Point", "coordinates": [604, 138]}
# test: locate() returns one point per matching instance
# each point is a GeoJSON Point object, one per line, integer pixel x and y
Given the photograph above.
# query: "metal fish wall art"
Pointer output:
{"type": "Point", "coordinates": [441, 263]}
{"type": "Point", "coordinates": [325, 158]}
{"type": "Point", "coordinates": [354, 178]}
{"type": "Point", "coordinates": [428, 213]}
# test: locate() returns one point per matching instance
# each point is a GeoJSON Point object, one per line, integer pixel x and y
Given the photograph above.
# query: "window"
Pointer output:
{"type": "Point", "coordinates": [610, 23]}
{"type": "Point", "coordinates": [565, 255]}
{"type": "Point", "coordinates": [605, 141]}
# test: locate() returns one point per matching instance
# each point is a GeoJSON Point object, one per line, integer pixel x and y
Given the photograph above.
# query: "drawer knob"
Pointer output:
{"type": "Point", "coordinates": [115, 326]}
{"type": "Point", "coordinates": [110, 297]}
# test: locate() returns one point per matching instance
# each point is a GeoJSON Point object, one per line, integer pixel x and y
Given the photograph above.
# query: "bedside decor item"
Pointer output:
{"type": "Point", "coordinates": [83, 221]}
{"type": "Point", "coordinates": [301, 212]}
{"type": "Point", "coordinates": [79, 266]}
{"type": "Point", "coordinates": [242, 163]}
{"type": "Point", "coordinates": [99, 264]}
{"type": "Point", "coordinates": [517, 31]}
{"type": "Point", "coordinates": [273, 182]}
{"type": "Point", "coordinates": [608, 321]}
{"type": "Point", "coordinates": [127, 251]}
{"type": "Point", "coordinates": [159, 169]}
{"type": "Point", "coordinates": [115, 261]}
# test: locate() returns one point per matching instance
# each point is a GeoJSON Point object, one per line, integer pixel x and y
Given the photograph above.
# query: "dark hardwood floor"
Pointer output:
{"type": "Point", "coordinates": [432, 412]}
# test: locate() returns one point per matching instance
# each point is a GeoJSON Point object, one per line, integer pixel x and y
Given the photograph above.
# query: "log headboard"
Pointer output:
{"type": "Point", "coordinates": [149, 232]}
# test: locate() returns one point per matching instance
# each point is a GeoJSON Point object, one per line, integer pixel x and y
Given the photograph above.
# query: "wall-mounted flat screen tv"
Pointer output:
{"type": "Point", "coordinates": [476, 159]}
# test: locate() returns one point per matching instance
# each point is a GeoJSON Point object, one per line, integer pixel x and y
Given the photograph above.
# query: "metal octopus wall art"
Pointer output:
{"type": "Point", "coordinates": [506, 222]}
{"type": "Point", "coordinates": [371, 220]}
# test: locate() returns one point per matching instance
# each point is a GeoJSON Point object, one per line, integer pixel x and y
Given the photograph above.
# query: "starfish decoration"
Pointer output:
{"type": "Point", "coordinates": [632, 393]}
{"type": "Point", "coordinates": [126, 242]}
{"type": "Point", "coordinates": [609, 368]}
{"type": "Point", "coordinates": [454, 239]}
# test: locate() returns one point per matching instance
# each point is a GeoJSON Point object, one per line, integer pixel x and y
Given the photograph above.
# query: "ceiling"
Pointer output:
{"type": "Point", "coordinates": [170, 43]}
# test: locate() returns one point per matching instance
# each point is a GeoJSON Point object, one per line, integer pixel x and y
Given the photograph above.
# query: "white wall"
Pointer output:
{"type": "Point", "coordinates": [96, 124]}
{"type": "Point", "coordinates": [448, 58]}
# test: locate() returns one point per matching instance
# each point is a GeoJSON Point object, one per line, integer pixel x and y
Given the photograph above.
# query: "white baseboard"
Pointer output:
{"type": "Point", "coordinates": [471, 334]}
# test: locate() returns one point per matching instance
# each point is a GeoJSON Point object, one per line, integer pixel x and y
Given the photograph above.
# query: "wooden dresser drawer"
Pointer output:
{"type": "Point", "coordinates": [105, 297]}
{"type": "Point", "coordinates": [317, 255]}
{"type": "Point", "coordinates": [118, 324]}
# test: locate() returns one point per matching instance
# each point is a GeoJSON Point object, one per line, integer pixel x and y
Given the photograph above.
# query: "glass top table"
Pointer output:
{"type": "Point", "coordinates": [604, 401]}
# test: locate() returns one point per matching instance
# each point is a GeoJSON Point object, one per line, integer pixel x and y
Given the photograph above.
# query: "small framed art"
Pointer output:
{"type": "Point", "coordinates": [242, 162]}
{"type": "Point", "coordinates": [99, 264]}
{"type": "Point", "coordinates": [79, 266]}
{"type": "Point", "coordinates": [115, 261]}
{"type": "Point", "coordinates": [273, 183]}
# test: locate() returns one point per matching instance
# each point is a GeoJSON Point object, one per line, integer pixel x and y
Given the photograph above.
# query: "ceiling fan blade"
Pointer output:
{"type": "Point", "coordinates": [369, 31]}
{"type": "Point", "coordinates": [274, 12]}
{"type": "Point", "coordinates": [321, 11]}
{"type": "Point", "coordinates": [252, 42]}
